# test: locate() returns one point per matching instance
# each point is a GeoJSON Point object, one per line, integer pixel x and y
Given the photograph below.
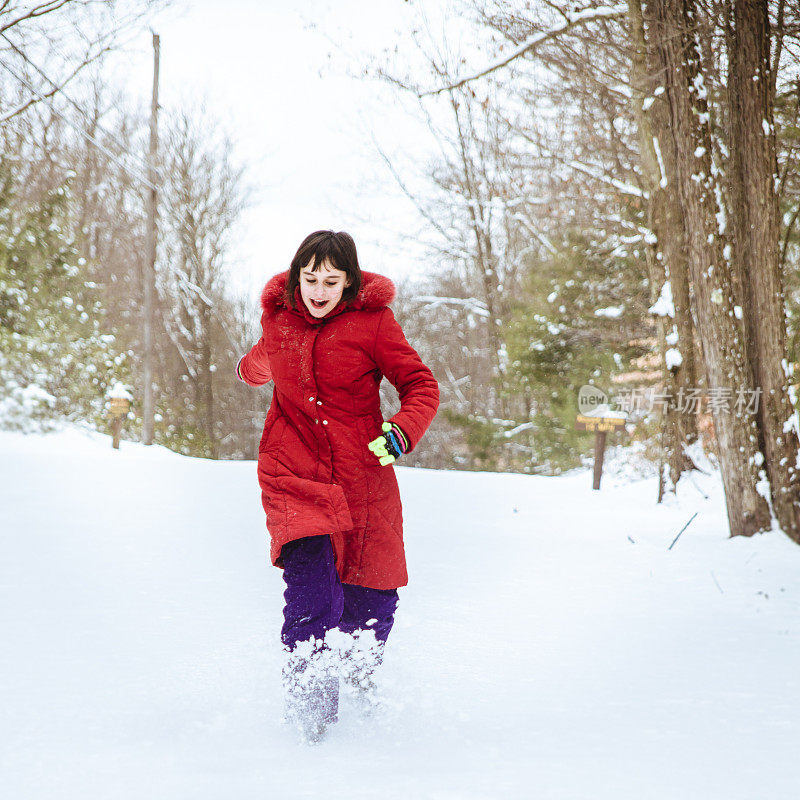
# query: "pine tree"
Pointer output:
{"type": "Point", "coordinates": [57, 351]}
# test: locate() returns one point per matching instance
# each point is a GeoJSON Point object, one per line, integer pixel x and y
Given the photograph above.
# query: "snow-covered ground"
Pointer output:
{"type": "Point", "coordinates": [549, 644]}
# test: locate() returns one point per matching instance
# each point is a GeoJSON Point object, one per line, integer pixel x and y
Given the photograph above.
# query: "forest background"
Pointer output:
{"type": "Point", "coordinates": [614, 202]}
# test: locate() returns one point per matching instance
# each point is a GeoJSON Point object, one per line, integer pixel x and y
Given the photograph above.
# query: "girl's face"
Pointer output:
{"type": "Point", "coordinates": [322, 290]}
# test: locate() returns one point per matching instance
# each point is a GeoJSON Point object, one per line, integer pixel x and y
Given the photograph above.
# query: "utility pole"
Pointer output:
{"type": "Point", "coordinates": [150, 256]}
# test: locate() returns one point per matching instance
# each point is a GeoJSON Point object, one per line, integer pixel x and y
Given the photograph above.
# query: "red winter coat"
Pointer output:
{"type": "Point", "coordinates": [316, 473]}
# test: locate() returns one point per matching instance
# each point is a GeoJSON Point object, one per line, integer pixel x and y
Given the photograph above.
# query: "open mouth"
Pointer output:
{"type": "Point", "coordinates": [318, 304]}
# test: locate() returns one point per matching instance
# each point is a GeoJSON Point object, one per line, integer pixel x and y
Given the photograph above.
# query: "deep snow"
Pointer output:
{"type": "Point", "coordinates": [549, 644]}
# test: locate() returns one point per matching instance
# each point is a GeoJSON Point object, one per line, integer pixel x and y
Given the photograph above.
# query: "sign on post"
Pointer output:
{"type": "Point", "coordinates": [118, 404]}
{"type": "Point", "coordinates": [597, 417]}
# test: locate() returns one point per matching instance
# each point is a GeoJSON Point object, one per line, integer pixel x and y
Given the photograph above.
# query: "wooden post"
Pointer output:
{"type": "Point", "coordinates": [600, 425]}
{"type": "Point", "coordinates": [119, 404]}
{"type": "Point", "coordinates": [599, 451]}
{"type": "Point", "coordinates": [148, 414]}
{"type": "Point", "coordinates": [116, 427]}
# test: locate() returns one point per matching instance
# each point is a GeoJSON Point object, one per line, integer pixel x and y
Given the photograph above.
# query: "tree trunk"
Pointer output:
{"type": "Point", "coordinates": [756, 250]}
{"type": "Point", "coordinates": [666, 254]}
{"type": "Point", "coordinates": [711, 292]}
{"type": "Point", "coordinates": [206, 378]}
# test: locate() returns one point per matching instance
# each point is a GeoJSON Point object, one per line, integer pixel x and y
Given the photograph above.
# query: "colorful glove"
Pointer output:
{"type": "Point", "coordinates": [389, 447]}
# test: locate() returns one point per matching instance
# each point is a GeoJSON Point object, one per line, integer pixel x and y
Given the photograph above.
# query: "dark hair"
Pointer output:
{"type": "Point", "coordinates": [338, 249]}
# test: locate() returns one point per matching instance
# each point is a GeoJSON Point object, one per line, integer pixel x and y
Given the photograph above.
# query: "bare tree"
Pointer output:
{"type": "Point", "coordinates": [44, 46]}
{"type": "Point", "coordinates": [204, 196]}
{"type": "Point", "coordinates": [475, 213]}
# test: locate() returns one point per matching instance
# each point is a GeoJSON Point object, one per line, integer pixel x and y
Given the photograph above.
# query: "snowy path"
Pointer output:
{"type": "Point", "coordinates": [538, 652]}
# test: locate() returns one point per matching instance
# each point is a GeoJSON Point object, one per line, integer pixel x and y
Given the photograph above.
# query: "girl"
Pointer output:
{"type": "Point", "coordinates": [325, 464]}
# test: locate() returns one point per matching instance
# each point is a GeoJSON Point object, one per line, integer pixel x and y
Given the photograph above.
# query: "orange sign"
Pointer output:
{"type": "Point", "coordinates": [606, 424]}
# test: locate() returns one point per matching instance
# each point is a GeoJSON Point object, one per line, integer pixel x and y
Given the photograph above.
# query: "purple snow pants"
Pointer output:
{"type": "Point", "coordinates": [317, 601]}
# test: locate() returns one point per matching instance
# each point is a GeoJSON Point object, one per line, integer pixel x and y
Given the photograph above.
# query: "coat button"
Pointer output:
{"type": "Point", "coordinates": [319, 402]}
{"type": "Point", "coordinates": [316, 422]}
{"type": "Point", "coordinates": [311, 399]}
{"type": "Point", "coordinates": [324, 422]}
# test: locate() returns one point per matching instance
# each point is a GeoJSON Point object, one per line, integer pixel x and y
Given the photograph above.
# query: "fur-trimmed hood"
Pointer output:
{"type": "Point", "coordinates": [376, 292]}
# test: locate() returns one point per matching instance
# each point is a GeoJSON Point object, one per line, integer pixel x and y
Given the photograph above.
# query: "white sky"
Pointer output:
{"type": "Point", "coordinates": [276, 74]}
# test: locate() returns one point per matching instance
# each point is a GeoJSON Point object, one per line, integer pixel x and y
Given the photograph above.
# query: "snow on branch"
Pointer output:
{"type": "Point", "coordinates": [625, 188]}
{"type": "Point", "coordinates": [532, 42]}
{"type": "Point", "coordinates": [469, 303]}
{"type": "Point", "coordinates": [519, 428]}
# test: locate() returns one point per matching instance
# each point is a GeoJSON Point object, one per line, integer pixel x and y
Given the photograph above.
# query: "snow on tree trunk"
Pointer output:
{"type": "Point", "coordinates": [665, 254]}
{"type": "Point", "coordinates": [756, 251]}
{"type": "Point", "coordinates": [727, 370]}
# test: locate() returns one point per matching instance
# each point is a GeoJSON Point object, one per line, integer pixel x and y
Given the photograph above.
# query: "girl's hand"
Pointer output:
{"type": "Point", "coordinates": [390, 446]}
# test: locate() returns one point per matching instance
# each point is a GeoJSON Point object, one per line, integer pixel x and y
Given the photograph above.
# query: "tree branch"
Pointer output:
{"type": "Point", "coordinates": [532, 42]}
{"type": "Point", "coordinates": [39, 96]}
{"type": "Point", "coordinates": [36, 11]}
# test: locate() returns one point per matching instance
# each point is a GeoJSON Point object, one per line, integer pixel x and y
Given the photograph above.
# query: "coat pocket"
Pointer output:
{"type": "Point", "coordinates": [369, 429]}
